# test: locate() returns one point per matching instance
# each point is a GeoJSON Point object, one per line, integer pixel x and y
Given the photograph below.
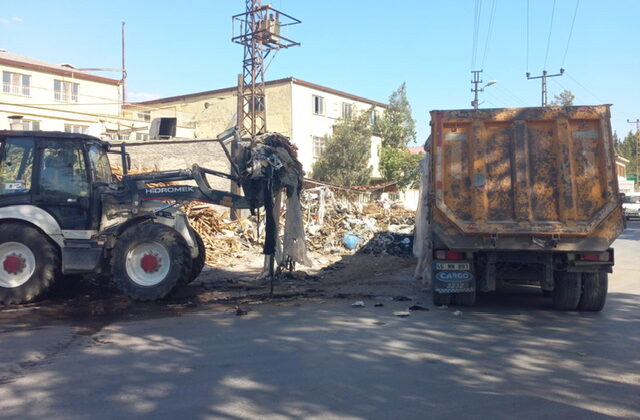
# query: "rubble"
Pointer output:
{"type": "Point", "coordinates": [336, 222]}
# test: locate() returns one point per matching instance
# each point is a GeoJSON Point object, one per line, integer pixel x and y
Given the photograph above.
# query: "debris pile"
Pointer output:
{"type": "Point", "coordinates": [335, 222]}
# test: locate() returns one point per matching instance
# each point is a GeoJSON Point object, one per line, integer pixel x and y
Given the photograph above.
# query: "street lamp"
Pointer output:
{"type": "Point", "coordinates": [475, 102]}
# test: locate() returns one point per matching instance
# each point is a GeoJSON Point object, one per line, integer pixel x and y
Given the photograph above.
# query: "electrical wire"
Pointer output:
{"type": "Point", "coordinates": [573, 21]}
{"type": "Point", "coordinates": [509, 93]}
{"type": "Point", "coordinates": [476, 29]}
{"type": "Point", "coordinates": [527, 36]}
{"type": "Point", "coordinates": [553, 11]}
{"type": "Point", "coordinates": [489, 30]}
{"type": "Point", "coordinates": [585, 88]}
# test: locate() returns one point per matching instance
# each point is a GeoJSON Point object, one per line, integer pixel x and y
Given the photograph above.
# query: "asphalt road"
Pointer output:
{"type": "Point", "coordinates": [511, 356]}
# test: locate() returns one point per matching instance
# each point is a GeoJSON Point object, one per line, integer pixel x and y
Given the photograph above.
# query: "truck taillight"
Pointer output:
{"type": "Point", "coordinates": [596, 256]}
{"type": "Point", "coordinates": [442, 254]}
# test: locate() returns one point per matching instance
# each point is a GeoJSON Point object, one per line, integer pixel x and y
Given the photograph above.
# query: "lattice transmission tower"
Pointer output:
{"type": "Point", "coordinates": [259, 30]}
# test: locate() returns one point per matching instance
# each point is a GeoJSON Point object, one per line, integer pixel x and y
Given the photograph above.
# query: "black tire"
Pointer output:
{"type": "Point", "coordinates": [465, 299]}
{"type": "Point", "coordinates": [594, 291]}
{"type": "Point", "coordinates": [46, 266]}
{"type": "Point", "coordinates": [157, 241]}
{"type": "Point", "coordinates": [197, 263]}
{"type": "Point", "coordinates": [440, 299]}
{"type": "Point", "coordinates": [567, 290]}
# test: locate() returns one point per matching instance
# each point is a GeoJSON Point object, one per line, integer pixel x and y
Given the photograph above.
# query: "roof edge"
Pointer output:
{"type": "Point", "coordinates": [169, 99]}
{"type": "Point", "coordinates": [50, 69]}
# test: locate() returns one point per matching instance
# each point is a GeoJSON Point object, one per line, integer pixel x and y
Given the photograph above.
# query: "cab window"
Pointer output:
{"type": "Point", "coordinates": [63, 170]}
{"type": "Point", "coordinates": [100, 164]}
{"type": "Point", "coordinates": [16, 165]}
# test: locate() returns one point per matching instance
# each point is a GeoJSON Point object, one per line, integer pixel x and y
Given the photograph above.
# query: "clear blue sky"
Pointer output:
{"type": "Point", "coordinates": [362, 47]}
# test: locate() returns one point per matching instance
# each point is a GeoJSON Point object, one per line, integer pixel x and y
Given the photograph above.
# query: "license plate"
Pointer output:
{"type": "Point", "coordinates": [453, 266]}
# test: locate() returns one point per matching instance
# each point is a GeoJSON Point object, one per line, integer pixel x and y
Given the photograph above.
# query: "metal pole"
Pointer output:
{"type": "Point", "coordinates": [544, 83]}
{"type": "Point", "coordinates": [124, 69]}
{"type": "Point", "coordinates": [475, 82]}
{"type": "Point", "coordinates": [544, 88]}
{"type": "Point", "coordinates": [637, 123]}
{"type": "Point", "coordinates": [234, 213]}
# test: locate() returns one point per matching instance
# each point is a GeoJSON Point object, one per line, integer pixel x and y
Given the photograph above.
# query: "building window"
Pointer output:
{"type": "Point", "coordinates": [142, 136]}
{"type": "Point", "coordinates": [65, 91]}
{"type": "Point", "coordinates": [31, 125]}
{"type": "Point", "coordinates": [144, 115]}
{"type": "Point", "coordinates": [74, 128]}
{"type": "Point", "coordinates": [15, 83]}
{"type": "Point", "coordinates": [319, 145]}
{"type": "Point", "coordinates": [374, 117]}
{"type": "Point", "coordinates": [318, 105]}
{"type": "Point", "coordinates": [347, 111]}
{"type": "Point", "coordinates": [259, 103]}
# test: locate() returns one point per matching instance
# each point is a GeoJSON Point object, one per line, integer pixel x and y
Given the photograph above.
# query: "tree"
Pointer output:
{"type": "Point", "coordinates": [565, 98]}
{"type": "Point", "coordinates": [345, 159]}
{"type": "Point", "coordinates": [399, 165]}
{"type": "Point", "coordinates": [628, 148]}
{"type": "Point", "coordinates": [397, 127]}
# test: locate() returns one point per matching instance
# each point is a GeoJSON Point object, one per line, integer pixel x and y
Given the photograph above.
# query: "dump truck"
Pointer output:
{"type": "Point", "coordinates": [525, 195]}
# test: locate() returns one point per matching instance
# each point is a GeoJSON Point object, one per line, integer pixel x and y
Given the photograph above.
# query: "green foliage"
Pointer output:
{"type": "Point", "coordinates": [565, 98]}
{"type": "Point", "coordinates": [401, 166]}
{"type": "Point", "coordinates": [397, 127]}
{"type": "Point", "coordinates": [628, 148]}
{"type": "Point", "coordinates": [345, 160]}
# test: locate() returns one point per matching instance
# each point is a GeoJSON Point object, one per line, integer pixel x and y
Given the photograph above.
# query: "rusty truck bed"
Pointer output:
{"type": "Point", "coordinates": [534, 172]}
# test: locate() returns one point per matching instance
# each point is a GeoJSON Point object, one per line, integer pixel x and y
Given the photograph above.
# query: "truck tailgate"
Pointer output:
{"type": "Point", "coordinates": [524, 170]}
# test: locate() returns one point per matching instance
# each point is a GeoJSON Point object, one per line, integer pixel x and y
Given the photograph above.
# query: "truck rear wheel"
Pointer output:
{"type": "Point", "coordinates": [440, 299]}
{"type": "Point", "coordinates": [594, 291]}
{"type": "Point", "coordinates": [567, 290]}
{"type": "Point", "coordinates": [197, 263]}
{"type": "Point", "coordinates": [29, 263]}
{"type": "Point", "coordinates": [465, 299]}
{"type": "Point", "coordinates": [149, 260]}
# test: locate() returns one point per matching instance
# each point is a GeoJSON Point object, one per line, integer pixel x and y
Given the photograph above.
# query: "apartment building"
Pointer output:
{"type": "Point", "coordinates": [301, 110]}
{"type": "Point", "coordinates": [37, 95]}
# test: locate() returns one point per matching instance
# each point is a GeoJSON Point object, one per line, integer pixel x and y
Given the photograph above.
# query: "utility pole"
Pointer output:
{"type": "Point", "coordinates": [637, 123]}
{"type": "Point", "coordinates": [258, 29]}
{"type": "Point", "coordinates": [475, 82]}
{"type": "Point", "coordinates": [124, 71]}
{"type": "Point", "coordinates": [544, 83]}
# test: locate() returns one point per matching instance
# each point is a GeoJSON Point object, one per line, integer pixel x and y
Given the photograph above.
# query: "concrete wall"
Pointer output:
{"type": "Point", "coordinates": [179, 156]}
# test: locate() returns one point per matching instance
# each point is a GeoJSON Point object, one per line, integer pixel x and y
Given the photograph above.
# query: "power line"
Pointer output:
{"type": "Point", "coordinates": [553, 11]}
{"type": "Point", "coordinates": [489, 30]}
{"type": "Point", "coordinates": [585, 88]}
{"type": "Point", "coordinates": [476, 29]}
{"type": "Point", "coordinates": [527, 36]}
{"type": "Point", "coordinates": [511, 94]}
{"type": "Point", "coordinates": [573, 21]}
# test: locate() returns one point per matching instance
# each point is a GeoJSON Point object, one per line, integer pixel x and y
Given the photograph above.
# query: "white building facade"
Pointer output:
{"type": "Point", "coordinates": [303, 111]}
{"type": "Point", "coordinates": [36, 95]}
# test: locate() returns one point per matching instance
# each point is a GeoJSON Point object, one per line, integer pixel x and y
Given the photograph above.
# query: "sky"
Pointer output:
{"type": "Point", "coordinates": [362, 47]}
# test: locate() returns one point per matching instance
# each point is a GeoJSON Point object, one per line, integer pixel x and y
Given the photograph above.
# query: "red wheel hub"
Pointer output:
{"type": "Point", "coordinates": [13, 264]}
{"type": "Point", "coordinates": [149, 263]}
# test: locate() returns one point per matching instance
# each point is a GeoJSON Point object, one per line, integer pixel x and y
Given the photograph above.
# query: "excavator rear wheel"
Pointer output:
{"type": "Point", "coordinates": [148, 261]}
